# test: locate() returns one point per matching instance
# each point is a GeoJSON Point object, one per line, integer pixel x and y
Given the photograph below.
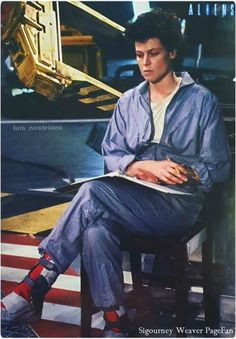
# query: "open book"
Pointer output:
{"type": "Point", "coordinates": [76, 185]}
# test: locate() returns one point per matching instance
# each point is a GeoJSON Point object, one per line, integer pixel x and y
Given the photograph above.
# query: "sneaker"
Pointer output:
{"type": "Point", "coordinates": [16, 309]}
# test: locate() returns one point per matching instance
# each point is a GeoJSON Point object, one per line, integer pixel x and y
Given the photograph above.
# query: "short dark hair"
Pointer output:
{"type": "Point", "coordinates": [157, 24]}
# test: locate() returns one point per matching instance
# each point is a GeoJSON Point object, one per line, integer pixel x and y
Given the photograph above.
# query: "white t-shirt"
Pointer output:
{"type": "Point", "coordinates": [158, 111]}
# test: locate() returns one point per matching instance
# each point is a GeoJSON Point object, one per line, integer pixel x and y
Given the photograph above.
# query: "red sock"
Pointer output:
{"type": "Point", "coordinates": [112, 316]}
{"type": "Point", "coordinates": [23, 289]}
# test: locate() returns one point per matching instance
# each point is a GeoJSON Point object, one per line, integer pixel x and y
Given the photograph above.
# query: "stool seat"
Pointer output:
{"type": "Point", "coordinates": [192, 239]}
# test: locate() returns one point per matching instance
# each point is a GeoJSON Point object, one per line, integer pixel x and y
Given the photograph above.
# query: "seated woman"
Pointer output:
{"type": "Point", "coordinates": [168, 129]}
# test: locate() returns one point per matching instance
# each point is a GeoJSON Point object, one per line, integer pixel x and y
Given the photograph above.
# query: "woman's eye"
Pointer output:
{"type": "Point", "coordinates": [154, 53]}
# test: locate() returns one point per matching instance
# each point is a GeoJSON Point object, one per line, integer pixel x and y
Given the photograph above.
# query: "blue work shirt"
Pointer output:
{"type": "Point", "coordinates": [193, 135]}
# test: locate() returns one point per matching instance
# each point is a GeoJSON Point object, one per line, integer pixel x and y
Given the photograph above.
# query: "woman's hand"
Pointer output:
{"type": "Point", "coordinates": [142, 175]}
{"type": "Point", "coordinates": [166, 171]}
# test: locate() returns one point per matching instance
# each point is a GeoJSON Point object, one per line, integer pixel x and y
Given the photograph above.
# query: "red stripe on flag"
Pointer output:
{"type": "Point", "coordinates": [19, 239]}
{"type": "Point", "coordinates": [52, 329]}
{"type": "Point", "coordinates": [17, 262]}
{"type": "Point", "coordinates": [64, 297]}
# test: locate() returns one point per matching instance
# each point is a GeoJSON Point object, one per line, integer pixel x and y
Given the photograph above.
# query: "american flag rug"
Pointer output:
{"type": "Point", "coordinates": [61, 311]}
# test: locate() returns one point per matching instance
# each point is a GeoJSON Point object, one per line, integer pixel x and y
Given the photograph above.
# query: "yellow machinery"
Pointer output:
{"type": "Point", "coordinates": [31, 30]}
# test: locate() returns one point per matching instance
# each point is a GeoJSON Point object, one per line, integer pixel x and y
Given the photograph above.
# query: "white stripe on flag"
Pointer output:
{"type": "Point", "coordinates": [27, 251]}
{"type": "Point", "coordinates": [64, 281]}
{"type": "Point", "coordinates": [61, 313]}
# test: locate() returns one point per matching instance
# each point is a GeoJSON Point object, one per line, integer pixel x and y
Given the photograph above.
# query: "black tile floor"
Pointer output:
{"type": "Point", "coordinates": [161, 322]}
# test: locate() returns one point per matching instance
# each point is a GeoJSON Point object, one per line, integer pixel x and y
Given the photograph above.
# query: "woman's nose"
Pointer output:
{"type": "Point", "coordinates": [146, 60]}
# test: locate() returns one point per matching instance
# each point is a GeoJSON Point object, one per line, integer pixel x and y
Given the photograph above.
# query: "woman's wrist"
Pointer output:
{"type": "Point", "coordinates": [139, 164]}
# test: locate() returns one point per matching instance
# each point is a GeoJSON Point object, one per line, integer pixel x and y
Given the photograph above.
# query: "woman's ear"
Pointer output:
{"type": "Point", "coordinates": [173, 54]}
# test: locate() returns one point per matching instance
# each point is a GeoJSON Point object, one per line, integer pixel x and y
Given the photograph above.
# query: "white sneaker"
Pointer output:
{"type": "Point", "coordinates": [16, 309]}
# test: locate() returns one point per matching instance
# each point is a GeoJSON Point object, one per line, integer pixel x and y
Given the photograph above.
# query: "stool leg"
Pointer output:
{"type": "Point", "coordinates": [182, 289]}
{"type": "Point", "coordinates": [136, 272]}
{"type": "Point", "coordinates": [86, 303]}
{"type": "Point", "coordinates": [135, 266]}
{"type": "Point", "coordinates": [210, 289]}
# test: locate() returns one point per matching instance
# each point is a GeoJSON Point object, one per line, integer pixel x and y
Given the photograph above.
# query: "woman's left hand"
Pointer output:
{"type": "Point", "coordinates": [142, 175]}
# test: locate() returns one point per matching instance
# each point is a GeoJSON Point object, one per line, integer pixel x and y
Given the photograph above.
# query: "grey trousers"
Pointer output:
{"type": "Point", "coordinates": [103, 211]}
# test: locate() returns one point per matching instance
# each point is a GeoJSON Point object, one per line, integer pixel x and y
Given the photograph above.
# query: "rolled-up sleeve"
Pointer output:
{"type": "Point", "coordinates": [116, 153]}
{"type": "Point", "coordinates": [212, 161]}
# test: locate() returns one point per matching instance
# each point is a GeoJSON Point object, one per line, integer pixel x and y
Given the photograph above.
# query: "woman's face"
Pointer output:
{"type": "Point", "coordinates": [153, 59]}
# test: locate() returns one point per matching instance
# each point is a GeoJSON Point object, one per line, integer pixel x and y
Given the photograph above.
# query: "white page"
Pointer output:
{"type": "Point", "coordinates": [118, 174]}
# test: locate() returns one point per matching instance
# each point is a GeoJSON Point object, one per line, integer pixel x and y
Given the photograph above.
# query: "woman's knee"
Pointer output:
{"type": "Point", "coordinates": [87, 202]}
